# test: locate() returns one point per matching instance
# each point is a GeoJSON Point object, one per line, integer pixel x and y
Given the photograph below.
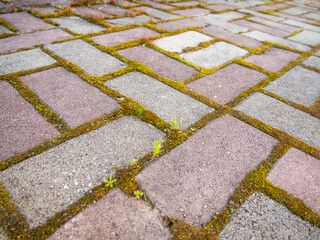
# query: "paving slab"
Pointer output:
{"type": "Point", "coordinates": [298, 174]}
{"type": "Point", "coordinates": [302, 25]}
{"type": "Point", "coordinates": [51, 181]}
{"type": "Point", "coordinates": [189, 3]}
{"type": "Point", "coordinates": [221, 7]}
{"type": "Point", "coordinates": [227, 16]}
{"type": "Point", "coordinates": [3, 236]}
{"type": "Point", "coordinates": [263, 15]}
{"type": "Point", "coordinates": [312, 62]}
{"type": "Point", "coordinates": [88, 58]}
{"type": "Point", "coordinates": [274, 24]}
{"type": "Point", "coordinates": [260, 36]}
{"type": "Point", "coordinates": [270, 7]}
{"type": "Point", "coordinates": [3, 29]}
{"type": "Point", "coordinates": [176, 43]}
{"type": "Point", "coordinates": [22, 127]}
{"type": "Point", "coordinates": [195, 180]}
{"type": "Point", "coordinates": [192, 12]}
{"type": "Point", "coordinates": [31, 39]}
{"type": "Point", "coordinates": [110, 9]}
{"type": "Point", "coordinates": [159, 98]}
{"type": "Point", "coordinates": [129, 20]}
{"type": "Point", "coordinates": [126, 3]}
{"type": "Point", "coordinates": [169, 67]}
{"type": "Point", "coordinates": [115, 38]}
{"type": "Point", "coordinates": [274, 59]}
{"type": "Point", "coordinates": [260, 217]}
{"type": "Point", "coordinates": [89, 12]}
{"type": "Point", "coordinates": [77, 25]}
{"type": "Point", "coordinates": [298, 85]}
{"type": "Point", "coordinates": [179, 24]}
{"type": "Point", "coordinates": [313, 16]}
{"type": "Point", "coordinates": [25, 60]}
{"type": "Point", "coordinates": [306, 37]}
{"type": "Point", "coordinates": [45, 10]}
{"type": "Point", "coordinates": [25, 22]}
{"type": "Point", "coordinates": [117, 216]}
{"type": "Point", "coordinates": [227, 83]}
{"type": "Point", "coordinates": [245, 4]}
{"type": "Point", "coordinates": [294, 11]}
{"type": "Point", "coordinates": [159, 14]}
{"type": "Point", "coordinates": [283, 117]}
{"type": "Point", "coordinates": [73, 99]}
{"type": "Point", "coordinates": [296, 18]}
{"type": "Point", "coordinates": [233, 37]}
{"type": "Point", "coordinates": [214, 55]}
{"type": "Point", "coordinates": [155, 4]}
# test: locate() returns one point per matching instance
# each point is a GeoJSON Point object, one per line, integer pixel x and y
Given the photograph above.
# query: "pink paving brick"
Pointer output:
{"type": "Point", "coordinates": [238, 39]}
{"type": "Point", "coordinates": [31, 39]}
{"type": "Point", "coordinates": [115, 216]}
{"type": "Point", "coordinates": [192, 12]}
{"type": "Point", "coordinates": [110, 9]}
{"type": "Point", "coordinates": [89, 12]}
{"type": "Point", "coordinates": [68, 95]}
{"type": "Point", "coordinates": [221, 7]}
{"type": "Point", "coordinates": [278, 25]}
{"type": "Point", "coordinates": [298, 174]}
{"type": "Point", "coordinates": [227, 83]}
{"type": "Point", "coordinates": [273, 60]}
{"type": "Point", "coordinates": [270, 7]}
{"type": "Point", "coordinates": [169, 67]}
{"type": "Point", "coordinates": [25, 22]}
{"type": "Point", "coordinates": [115, 38]}
{"type": "Point", "coordinates": [179, 24]}
{"type": "Point", "coordinates": [306, 20]}
{"type": "Point", "coordinates": [262, 28]}
{"type": "Point", "coordinates": [194, 181]}
{"type": "Point", "coordinates": [21, 126]}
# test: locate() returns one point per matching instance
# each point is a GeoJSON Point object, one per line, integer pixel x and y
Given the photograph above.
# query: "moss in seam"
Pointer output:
{"type": "Point", "coordinates": [8, 25]}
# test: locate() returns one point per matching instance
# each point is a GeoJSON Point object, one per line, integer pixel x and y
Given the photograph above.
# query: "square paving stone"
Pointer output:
{"type": "Point", "coordinates": [114, 215]}
{"type": "Point", "coordinates": [302, 25]}
{"type": "Point", "coordinates": [159, 98]}
{"type": "Point", "coordinates": [110, 9]}
{"type": "Point", "coordinates": [169, 67]}
{"type": "Point", "coordinates": [221, 7]}
{"type": "Point", "coordinates": [115, 38]}
{"type": "Point", "coordinates": [227, 83]}
{"type": "Point", "coordinates": [77, 25]}
{"type": "Point", "coordinates": [68, 95]}
{"type": "Point", "coordinates": [88, 58]}
{"type": "Point", "coordinates": [22, 127]}
{"type": "Point", "coordinates": [31, 39]}
{"type": "Point", "coordinates": [282, 116]}
{"type": "Point", "coordinates": [177, 43]}
{"type": "Point", "coordinates": [52, 180]}
{"type": "Point", "coordinates": [260, 217]}
{"type": "Point", "coordinates": [195, 180]}
{"type": "Point", "coordinates": [298, 174]}
{"type": "Point", "coordinates": [3, 29]}
{"type": "Point", "coordinates": [312, 62]}
{"type": "Point", "coordinates": [298, 85]}
{"type": "Point", "coordinates": [306, 37]}
{"type": "Point", "coordinates": [214, 55]}
{"type": "Point", "coordinates": [24, 60]}
{"type": "Point", "coordinates": [274, 59]}
{"type": "Point", "coordinates": [89, 12]}
{"type": "Point", "coordinates": [192, 12]}
{"type": "Point", "coordinates": [179, 24]}
{"type": "Point", "coordinates": [25, 22]}
{"type": "Point", "coordinates": [159, 14]}
{"type": "Point", "coordinates": [233, 37]}
{"type": "Point", "coordinates": [314, 16]}
{"type": "Point", "coordinates": [129, 20]}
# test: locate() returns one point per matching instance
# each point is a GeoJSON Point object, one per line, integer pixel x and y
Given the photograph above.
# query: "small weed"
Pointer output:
{"type": "Point", "coordinates": [141, 10]}
{"type": "Point", "coordinates": [67, 10]}
{"type": "Point", "coordinates": [95, 16]}
{"type": "Point", "coordinates": [126, 3]}
{"type": "Point", "coordinates": [134, 162]}
{"type": "Point", "coordinates": [130, 13]}
{"type": "Point", "coordinates": [138, 194]}
{"type": "Point", "coordinates": [145, 38]}
{"type": "Point", "coordinates": [150, 19]}
{"type": "Point", "coordinates": [109, 182]}
{"type": "Point", "coordinates": [157, 145]}
{"type": "Point", "coordinates": [174, 124]}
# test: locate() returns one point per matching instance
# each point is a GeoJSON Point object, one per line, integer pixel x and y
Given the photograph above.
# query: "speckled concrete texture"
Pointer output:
{"type": "Point", "coordinates": [179, 24]}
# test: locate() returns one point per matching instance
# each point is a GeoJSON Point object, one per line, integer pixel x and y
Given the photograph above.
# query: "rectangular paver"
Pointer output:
{"type": "Point", "coordinates": [88, 58]}
{"type": "Point", "coordinates": [192, 12]}
{"type": "Point", "coordinates": [294, 11]}
{"type": "Point", "coordinates": [157, 5]}
{"type": "Point", "coordinates": [221, 7]}
{"type": "Point", "coordinates": [270, 7]}
{"type": "Point", "coordinates": [110, 9]}
{"type": "Point", "coordinates": [283, 117]}
{"type": "Point", "coordinates": [313, 16]}
{"type": "Point", "coordinates": [159, 14]}
{"type": "Point", "coordinates": [312, 62]}
{"type": "Point", "coordinates": [129, 20]}
{"type": "Point", "coordinates": [179, 24]}
{"type": "Point", "coordinates": [263, 15]}
{"type": "Point", "coordinates": [89, 12]}
{"type": "Point", "coordinates": [51, 181]}
{"type": "Point", "coordinates": [302, 25]}
{"type": "Point", "coordinates": [159, 98]}
{"type": "Point", "coordinates": [227, 16]}
{"type": "Point", "coordinates": [296, 18]}
{"type": "Point", "coordinates": [306, 37]}
{"type": "Point", "coordinates": [189, 3]}
{"type": "Point", "coordinates": [274, 24]}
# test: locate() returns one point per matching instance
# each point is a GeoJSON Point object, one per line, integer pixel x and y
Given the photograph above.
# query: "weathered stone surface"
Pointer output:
{"type": "Point", "coordinates": [129, 20]}
{"type": "Point", "coordinates": [227, 83]}
{"type": "Point", "coordinates": [114, 215]}
{"type": "Point", "coordinates": [159, 14]}
{"type": "Point", "coordinates": [169, 67]}
{"type": "Point", "coordinates": [298, 173]}
{"type": "Point", "coordinates": [313, 16]}
{"type": "Point", "coordinates": [195, 180]}
{"type": "Point", "coordinates": [306, 37]}
{"type": "Point", "coordinates": [274, 24]}
{"type": "Point", "coordinates": [294, 11]}
{"type": "Point", "coordinates": [110, 9]}
{"type": "Point", "coordinates": [263, 15]}
{"type": "Point", "coordinates": [260, 217]}
{"type": "Point", "coordinates": [296, 18]}
{"type": "Point", "coordinates": [89, 12]}
{"type": "Point", "coordinates": [283, 117]}
{"type": "Point", "coordinates": [22, 127]}
{"type": "Point", "coordinates": [179, 24]}
{"type": "Point", "coordinates": [24, 60]}
{"type": "Point", "coordinates": [302, 25]}
{"type": "Point", "coordinates": [25, 22]}
{"type": "Point", "coordinates": [245, 4]}
{"type": "Point", "coordinates": [45, 10]}
{"type": "Point", "coordinates": [112, 39]}
{"type": "Point", "coordinates": [312, 62]}
{"type": "Point", "coordinates": [221, 7]}
{"type": "Point", "coordinates": [3, 29]}
{"type": "Point", "coordinates": [155, 4]}
{"type": "Point", "coordinates": [298, 85]}
{"type": "Point", "coordinates": [270, 7]}
{"type": "Point", "coordinates": [177, 43]}
{"type": "Point", "coordinates": [227, 16]}
{"type": "Point", "coordinates": [159, 98]}
{"type": "Point", "coordinates": [51, 181]}
{"type": "Point", "coordinates": [31, 39]}
{"type": "Point", "coordinates": [189, 3]}
{"type": "Point", "coordinates": [274, 59]}
{"type": "Point", "coordinates": [68, 95]}
{"type": "Point", "coordinates": [191, 12]}
{"type": "Point", "coordinates": [214, 55]}
{"type": "Point", "coordinates": [88, 58]}
{"type": "Point", "coordinates": [77, 25]}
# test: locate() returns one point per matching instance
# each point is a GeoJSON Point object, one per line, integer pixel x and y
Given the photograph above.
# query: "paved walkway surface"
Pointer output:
{"type": "Point", "coordinates": [152, 119]}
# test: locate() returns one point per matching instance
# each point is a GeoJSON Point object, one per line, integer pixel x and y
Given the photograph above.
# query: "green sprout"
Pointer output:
{"type": "Point", "coordinates": [138, 194]}
{"type": "Point", "coordinates": [134, 162]}
{"type": "Point", "coordinates": [174, 124]}
{"type": "Point", "coordinates": [109, 182]}
{"type": "Point", "coordinates": [157, 146]}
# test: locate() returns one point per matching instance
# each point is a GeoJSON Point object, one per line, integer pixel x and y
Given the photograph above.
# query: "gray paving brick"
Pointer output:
{"type": "Point", "coordinates": [244, 4]}
{"type": "Point", "coordinates": [189, 3]}
{"type": "Point", "coordinates": [126, 3]}
{"type": "Point", "coordinates": [294, 11]}
{"type": "Point", "coordinates": [89, 12]}
{"type": "Point", "coordinates": [270, 7]}
{"type": "Point", "coordinates": [192, 12]}
{"type": "Point", "coordinates": [306, 37]}
{"type": "Point", "coordinates": [298, 85]}
{"type": "Point", "coordinates": [159, 14]}
{"type": "Point", "coordinates": [77, 25]}
{"type": "Point", "coordinates": [129, 20]}
{"type": "Point", "coordinates": [24, 60]}
{"type": "Point", "coordinates": [314, 16]}
{"type": "Point", "coordinates": [177, 43]}
{"type": "Point", "coordinates": [274, 24]}
{"type": "Point", "coordinates": [263, 15]}
{"type": "Point", "coordinates": [52, 180]}
{"type": "Point", "coordinates": [45, 10]}
{"type": "Point", "coordinates": [282, 116]}
{"type": "Point", "coordinates": [221, 7]}
{"type": "Point", "coordinates": [260, 217]}
{"type": "Point", "coordinates": [296, 18]}
{"type": "Point", "coordinates": [3, 29]}
{"type": "Point", "coordinates": [114, 215]}
{"type": "Point", "coordinates": [214, 55]}
{"type": "Point", "coordinates": [88, 58]}
{"type": "Point", "coordinates": [227, 16]}
{"type": "Point", "coordinates": [159, 98]}
{"type": "Point", "coordinates": [195, 180]}
{"type": "Point", "coordinates": [302, 25]}
{"type": "Point", "coordinates": [176, 25]}
{"type": "Point", "coordinates": [312, 62]}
